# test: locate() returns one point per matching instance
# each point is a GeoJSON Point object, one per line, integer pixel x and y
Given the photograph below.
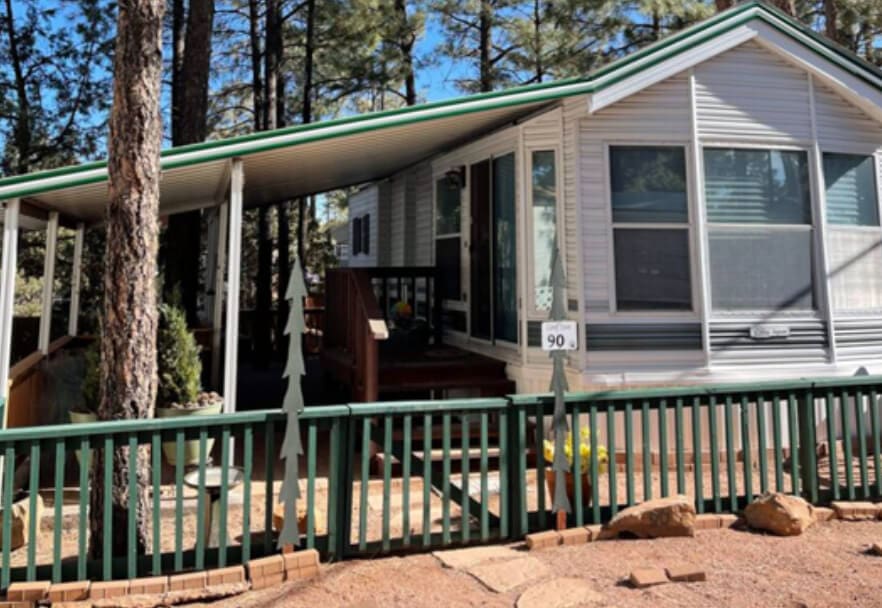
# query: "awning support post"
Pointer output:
{"type": "Point", "coordinates": [234, 264]}
{"type": "Point", "coordinates": [8, 272]}
{"type": "Point", "coordinates": [75, 281]}
{"type": "Point", "coordinates": [48, 283]}
{"type": "Point", "coordinates": [218, 298]}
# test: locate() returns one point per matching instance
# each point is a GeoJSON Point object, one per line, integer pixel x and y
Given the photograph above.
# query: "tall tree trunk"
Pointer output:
{"type": "Point", "coordinates": [22, 131]}
{"type": "Point", "coordinates": [271, 65]}
{"type": "Point", "coordinates": [485, 42]}
{"type": "Point", "coordinates": [306, 117]}
{"type": "Point", "coordinates": [831, 20]}
{"type": "Point", "coordinates": [195, 72]}
{"type": "Point", "coordinates": [179, 35]}
{"type": "Point", "coordinates": [723, 5]}
{"type": "Point", "coordinates": [128, 344]}
{"type": "Point", "coordinates": [283, 223]}
{"type": "Point", "coordinates": [189, 125]}
{"type": "Point", "coordinates": [406, 40]}
{"type": "Point", "coordinates": [537, 40]}
{"type": "Point", "coordinates": [788, 6]}
{"type": "Point", "coordinates": [256, 54]}
{"type": "Point", "coordinates": [308, 63]}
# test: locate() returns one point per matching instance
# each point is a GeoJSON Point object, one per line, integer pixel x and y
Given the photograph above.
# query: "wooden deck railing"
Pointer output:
{"type": "Point", "coordinates": [415, 285]}
{"type": "Point", "coordinates": [354, 324]}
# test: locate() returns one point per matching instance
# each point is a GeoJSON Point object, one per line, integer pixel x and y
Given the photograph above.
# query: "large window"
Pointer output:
{"type": "Point", "coordinates": [850, 183]}
{"type": "Point", "coordinates": [544, 217]}
{"type": "Point", "coordinates": [505, 302]}
{"type": "Point", "coordinates": [759, 229]}
{"type": "Point", "coordinates": [447, 236]}
{"type": "Point", "coordinates": [650, 215]}
{"type": "Point", "coordinates": [852, 212]}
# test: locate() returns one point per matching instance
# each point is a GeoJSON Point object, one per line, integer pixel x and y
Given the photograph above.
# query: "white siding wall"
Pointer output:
{"type": "Point", "coordinates": [842, 126]}
{"type": "Point", "coordinates": [749, 94]}
{"type": "Point", "coordinates": [362, 202]}
{"type": "Point", "coordinates": [392, 200]}
{"type": "Point", "coordinates": [421, 180]}
{"type": "Point", "coordinates": [405, 203]}
{"type": "Point", "coordinates": [659, 114]}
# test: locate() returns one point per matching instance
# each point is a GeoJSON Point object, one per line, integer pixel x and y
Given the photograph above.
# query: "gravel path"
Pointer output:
{"type": "Point", "coordinates": [828, 566]}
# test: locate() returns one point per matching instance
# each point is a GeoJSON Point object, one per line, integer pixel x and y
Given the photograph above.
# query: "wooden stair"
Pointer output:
{"type": "Point", "coordinates": [443, 368]}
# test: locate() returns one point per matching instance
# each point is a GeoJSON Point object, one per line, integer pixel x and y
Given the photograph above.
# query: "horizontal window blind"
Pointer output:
{"type": "Point", "coordinates": [745, 186]}
{"type": "Point", "coordinates": [851, 189]}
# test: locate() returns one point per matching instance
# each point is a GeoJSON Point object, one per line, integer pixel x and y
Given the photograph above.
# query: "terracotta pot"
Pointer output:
{"type": "Point", "coordinates": [550, 480]}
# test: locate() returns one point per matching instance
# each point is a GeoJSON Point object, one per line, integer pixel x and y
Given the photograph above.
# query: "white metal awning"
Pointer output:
{"type": "Point", "coordinates": [278, 166]}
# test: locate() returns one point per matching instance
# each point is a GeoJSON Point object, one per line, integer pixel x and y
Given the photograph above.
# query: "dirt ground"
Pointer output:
{"type": "Point", "coordinates": [828, 566]}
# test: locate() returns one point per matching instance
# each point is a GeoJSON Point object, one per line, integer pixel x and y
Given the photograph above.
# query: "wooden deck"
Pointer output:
{"type": "Point", "coordinates": [434, 371]}
{"type": "Point", "coordinates": [357, 350]}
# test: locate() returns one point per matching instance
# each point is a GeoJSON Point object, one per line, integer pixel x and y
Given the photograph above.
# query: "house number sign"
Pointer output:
{"type": "Point", "coordinates": [559, 335]}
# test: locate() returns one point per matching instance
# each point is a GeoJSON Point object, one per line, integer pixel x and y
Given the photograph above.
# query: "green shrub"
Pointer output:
{"type": "Point", "coordinates": [92, 379]}
{"type": "Point", "coordinates": [178, 361]}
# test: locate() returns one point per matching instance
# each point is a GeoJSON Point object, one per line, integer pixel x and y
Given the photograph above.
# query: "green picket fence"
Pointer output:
{"type": "Point", "coordinates": [380, 478]}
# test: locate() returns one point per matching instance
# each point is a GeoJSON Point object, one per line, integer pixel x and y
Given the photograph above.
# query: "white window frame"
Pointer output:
{"type": "Point", "coordinates": [532, 311]}
{"type": "Point", "coordinates": [846, 313]}
{"type": "Point", "coordinates": [691, 233]}
{"type": "Point", "coordinates": [458, 304]}
{"type": "Point", "coordinates": [877, 183]}
{"type": "Point", "coordinates": [751, 315]}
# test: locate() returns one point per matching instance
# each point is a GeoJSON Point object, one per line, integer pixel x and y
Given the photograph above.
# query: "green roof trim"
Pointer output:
{"type": "Point", "coordinates": [34, 183]}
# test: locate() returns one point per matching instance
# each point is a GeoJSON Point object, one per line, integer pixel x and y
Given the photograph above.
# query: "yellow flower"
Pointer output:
{"type": "Point", "coordinates": [548, 449]}
{"type": "Point", "coordinates": [584, 452]}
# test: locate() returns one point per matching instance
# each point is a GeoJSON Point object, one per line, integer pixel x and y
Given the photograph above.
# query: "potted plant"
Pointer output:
{"type": "Point", "coordinates": [407, 333]}
{"type": "Point", "coordinates": [72, 381]}
{"type": "Point", "coordinates": [584, 450]}
{"type": "Point", "coordinates": [86, 410]}
{"type": "Point", "coordinates": [179, 391]}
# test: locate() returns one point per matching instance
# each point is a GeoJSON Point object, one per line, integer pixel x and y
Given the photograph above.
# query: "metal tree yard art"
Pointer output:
{"type": "Point", "coordinates": [292, 406]}
{"type": "Point", "coordinates": [559, 386]}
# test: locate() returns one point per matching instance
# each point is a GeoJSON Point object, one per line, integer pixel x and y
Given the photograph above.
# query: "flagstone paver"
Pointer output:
{"type": "Point", "coordinates": [509, 574]}
{"type": "Point", "coordinates": [462, 559]}
{"type": "Point", "coordinates": [559, 593]}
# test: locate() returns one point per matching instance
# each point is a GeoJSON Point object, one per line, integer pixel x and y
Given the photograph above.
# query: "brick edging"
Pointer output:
{"type": "Point", "coordinates": [258, 573]}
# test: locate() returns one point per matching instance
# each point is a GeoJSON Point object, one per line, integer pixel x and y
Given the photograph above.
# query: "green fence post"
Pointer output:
{"type": "Point", "coordinates": [516, 444]}
{"type": "Point", "coordinates": [807, 448]}
{"type": "Point", "coordinates": [343, 472]}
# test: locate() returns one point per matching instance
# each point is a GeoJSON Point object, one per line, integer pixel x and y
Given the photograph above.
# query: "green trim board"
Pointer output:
{"type": "Point", "coordinates": [95, 172]}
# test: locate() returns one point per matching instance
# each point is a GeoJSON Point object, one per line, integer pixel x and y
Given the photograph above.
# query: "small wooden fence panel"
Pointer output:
{"type": "Point", "coordinates": [450, 473]}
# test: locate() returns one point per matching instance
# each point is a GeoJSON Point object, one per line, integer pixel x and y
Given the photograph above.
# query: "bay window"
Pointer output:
{"type": "Point", "coordinates": [759, 229]}
{"type": "Point", "coordinates": [447, 237]}
{"type": "Point", "coordinates": [650, 215]}
{"type": "Point", "coordinates": [850, 184]}
{"type": "Point", "coordinates": [853, 238]}
{"type": "Point", "coordinates": [543, 180]}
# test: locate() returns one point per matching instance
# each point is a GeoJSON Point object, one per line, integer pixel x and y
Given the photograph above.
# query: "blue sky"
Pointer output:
{"type": "Point", "coordinates": [436, 82]}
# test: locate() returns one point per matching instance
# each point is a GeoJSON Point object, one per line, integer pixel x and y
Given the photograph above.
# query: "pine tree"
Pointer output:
{"type": "Point", "coordinates": [54, 82]}
{"type": "Point", "coordinates": [128, 343]}
{"type": "Point", "coordinates": [475, 35]}
{"type": "Point", "coordinates": [292, 406]}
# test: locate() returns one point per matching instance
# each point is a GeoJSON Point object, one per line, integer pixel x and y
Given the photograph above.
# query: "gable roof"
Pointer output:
{"type": "Point", "coordinates": [306, 159]}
